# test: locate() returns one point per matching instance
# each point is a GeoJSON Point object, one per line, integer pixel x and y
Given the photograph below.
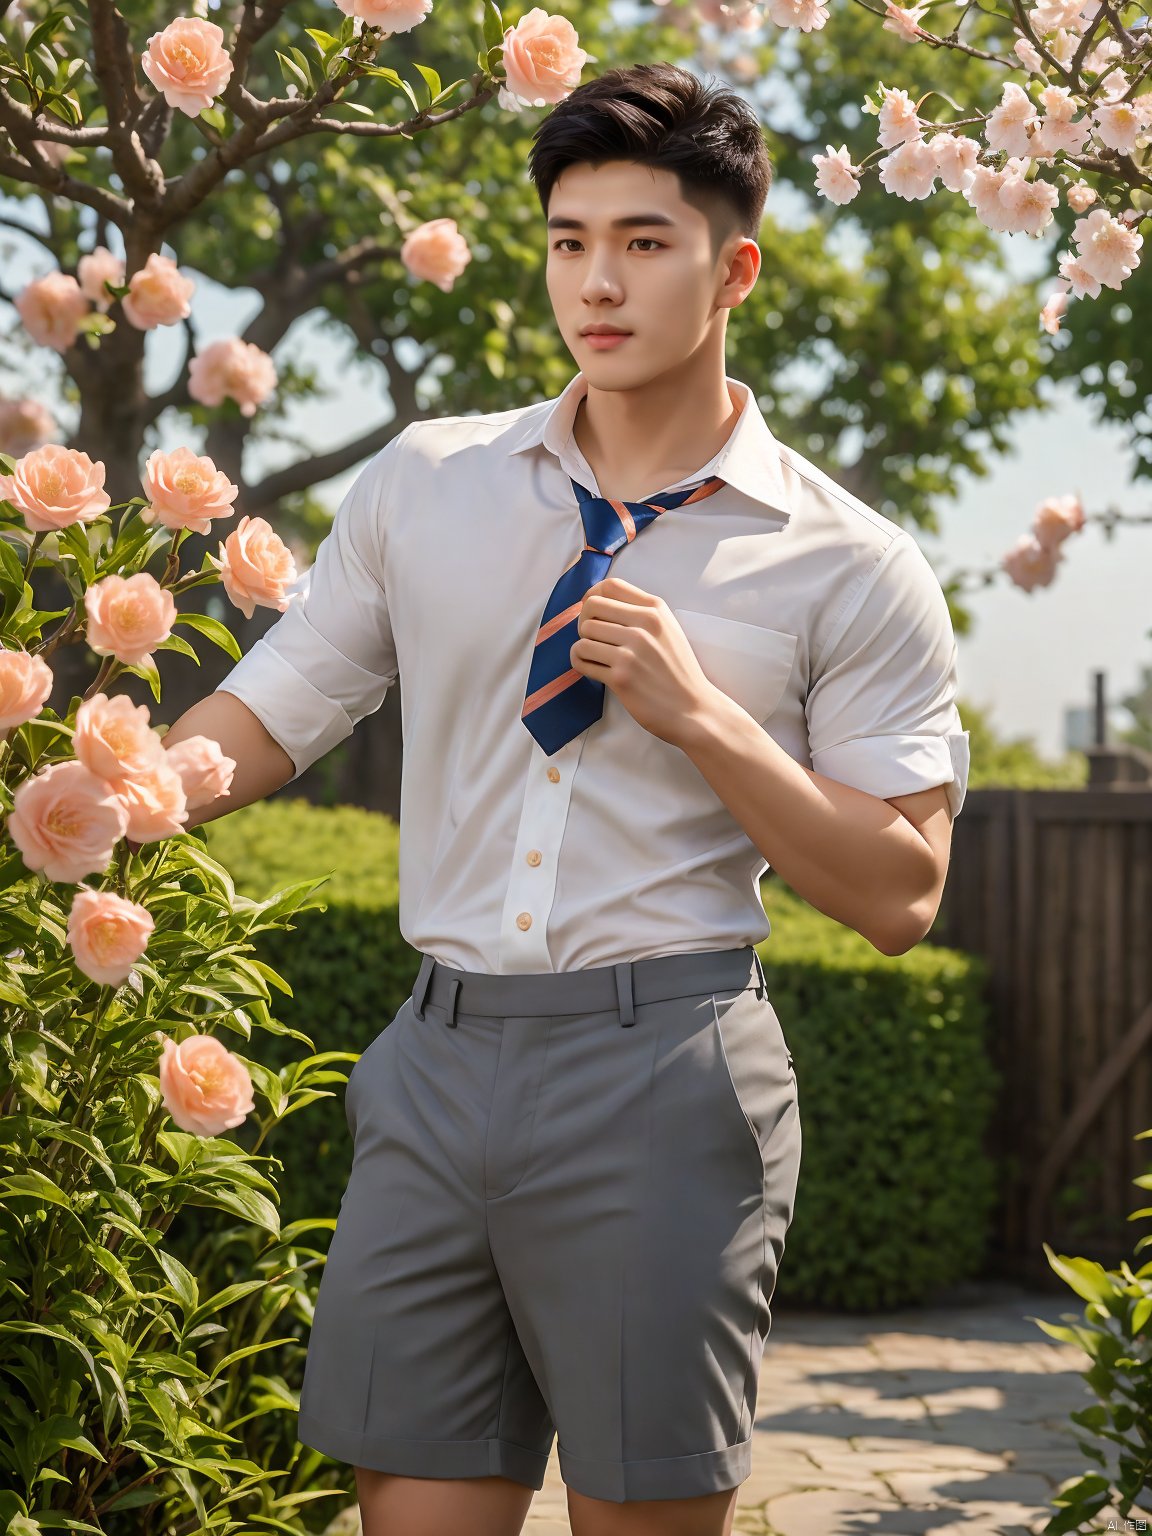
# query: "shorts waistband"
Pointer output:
{"type": "Point", "coordinates": [599, 989]}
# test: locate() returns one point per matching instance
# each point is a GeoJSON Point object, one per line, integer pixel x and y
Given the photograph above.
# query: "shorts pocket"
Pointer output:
{"type": "Point", "coordinates": [757, 1062]}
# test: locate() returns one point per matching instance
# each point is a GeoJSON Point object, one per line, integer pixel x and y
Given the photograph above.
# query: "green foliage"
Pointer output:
{"type": "Point", "coordinates": [896, 1093]}
{"type": "Point", "coordinates": [1114, 1332]}
{"type": "Point", "coordinates": [1014, 763]}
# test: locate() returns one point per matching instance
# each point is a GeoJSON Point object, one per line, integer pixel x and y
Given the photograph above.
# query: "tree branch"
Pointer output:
{"type": "Point", "coordinates": [53, 179]}
{"type": "Point", "coordinates": [322, 466]}
{"type": "Point", "coordinates": [254, 24]}
{"type": "Point", "coordinates": [33, 234]}
{"type": "Point", "coordinates": [114, 66]}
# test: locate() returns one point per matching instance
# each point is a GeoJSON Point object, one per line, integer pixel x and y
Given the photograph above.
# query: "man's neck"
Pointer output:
{"type": "Point", "coordinates": [639, 441]}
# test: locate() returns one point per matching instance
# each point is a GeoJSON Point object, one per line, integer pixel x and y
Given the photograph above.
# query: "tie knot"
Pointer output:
{"type": "Point", "coordinates": [610, 524]}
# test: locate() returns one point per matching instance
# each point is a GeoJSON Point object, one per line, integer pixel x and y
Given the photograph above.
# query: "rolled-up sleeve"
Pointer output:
{"type": "Point", "coordinates": [330, 658]}
{"type": "Point", "coordinates": [882, 712]}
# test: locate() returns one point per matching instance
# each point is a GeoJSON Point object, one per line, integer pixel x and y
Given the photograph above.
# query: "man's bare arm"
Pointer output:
{"type": "Point", "coordinates": [262, 765]}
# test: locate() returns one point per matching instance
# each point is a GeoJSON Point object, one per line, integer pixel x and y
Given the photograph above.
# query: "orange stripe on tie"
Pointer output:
{"type": "Point", "coordinates": [621, 510]}
{"type": "Point", "coordinates": [549, 691]}
{"type": "Point", "coordinates": [703, 490]}
{"type": "Point", "coordinates": [558, 621]}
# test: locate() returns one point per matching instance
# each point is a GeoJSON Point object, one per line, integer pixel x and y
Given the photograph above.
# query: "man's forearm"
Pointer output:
{"type": "Point", "coordinates": [262, 765]}
{"type": "Point", "coordinates": [848, 853]}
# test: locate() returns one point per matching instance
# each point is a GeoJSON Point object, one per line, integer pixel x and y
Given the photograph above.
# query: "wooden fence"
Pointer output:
{"type": "Point", "coordinates": [1054, 889]}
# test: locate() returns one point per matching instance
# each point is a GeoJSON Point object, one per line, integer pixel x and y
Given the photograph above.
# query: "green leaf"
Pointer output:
{"type": "Point", "coordinates": [37, 1186]}
{"type": "Point", "coordinates": [149, 674]}
{"type": "Point", "coordinates": [248, 1203]}
{"type": "Point", "coordinates": [218, 633]}
{"type": "Point", "coordinates": [323, 40]}
{"type": "Point", "coordinates": [293, 74]}
{"type": "Point", "coordinates": [305, 64]}
{"type": "Point", "coordinates": [175, 643]}
{"type": "Point", "coordinates": [1087, 1278]}
{"type": "Point", "coordinates": [431, 80]}
{"type": "Point", "coordinates": [449, 90]}
{"type": "Point", "coordinates": [46, 31]}
{"type": "Point", "coordinates": [215, 118]}
{"type": "Point", "coordinates": [493, 25]}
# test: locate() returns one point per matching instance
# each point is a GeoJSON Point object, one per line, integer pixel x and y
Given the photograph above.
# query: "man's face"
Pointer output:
{"type": "Point", "coordinates": [658, 277]}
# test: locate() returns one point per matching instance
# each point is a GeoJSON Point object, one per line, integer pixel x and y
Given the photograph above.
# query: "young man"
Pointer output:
{"type": "Point", "coordinates": [577, 1144]}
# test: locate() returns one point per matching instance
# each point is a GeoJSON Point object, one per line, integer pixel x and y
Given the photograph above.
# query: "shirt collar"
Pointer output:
{"type": "Point", "coordinates": [750, 460]}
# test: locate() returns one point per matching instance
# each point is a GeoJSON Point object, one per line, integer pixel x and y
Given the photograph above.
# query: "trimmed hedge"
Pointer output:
{"type": "Point", "coordinates": [896, 1089]}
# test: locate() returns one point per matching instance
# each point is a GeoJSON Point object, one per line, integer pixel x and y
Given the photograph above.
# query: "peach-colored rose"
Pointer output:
{"type": "Point", "coordinates": [51, 308]}
{"type": "Point", "coordinates": [158, 294]}
{"type": "Point", "coordinates": [24, 425]}
{"type": "Point", "coordinates": [256, 566]}
{"type": "Point", "coordinates": [25, 683]}
{"type": "Point", "coordinates": [1054, 308]}
{"type": "Point", "coordinates": [186, 491]}
{"type": "Point", "coordinates": [1029, 564]}
{"type": "Point", "coordinates": [542, 60]}
{"type": "Point", "coordinates": [392, 15]}
{"type": "Point", "coordinates": [154, 799]}
{"type": "Point", "coordinates": [436, 251]}
{"type": "Point", "coordinates": [234, 368]}
{"type": "Point", "coordinates": [204, 770]}
{"type": "Point", "coordinates": [188, 64]}
{"type": "Point", "coordinates": [107, 934]}
{"type": "Point", "coordinates": [1056, 519]}
{"type": "Point", "coordinates": [94, 270]}
{"type": "Point", "coordinates": [112, 737]}
{"type": "Point", "coordinates": [54, 487]}
{"type": "Point", "coordinates": [127, 616]}
{"type": "Point", "coordinates": [66, 821]}
{"type": "Point", "coordinates": [206, 1089]}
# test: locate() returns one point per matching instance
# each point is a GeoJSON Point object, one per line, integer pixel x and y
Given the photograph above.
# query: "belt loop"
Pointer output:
{"type": "Point", "coordinates": [423, 982]}
{"type": "Point", "coordinates": [762, 986]}
{"type": "Point", "coordinates": [453, 994]}
{"type": "Point", "coordinates": [624, 993]}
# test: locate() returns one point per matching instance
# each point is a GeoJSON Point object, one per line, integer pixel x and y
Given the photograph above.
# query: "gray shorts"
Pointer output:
{"type": "Point", "coordinates": [566, 1211]}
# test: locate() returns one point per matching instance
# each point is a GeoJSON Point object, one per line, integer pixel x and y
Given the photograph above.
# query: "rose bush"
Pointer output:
{"type": "Point", "coordinates": [136, 1389]}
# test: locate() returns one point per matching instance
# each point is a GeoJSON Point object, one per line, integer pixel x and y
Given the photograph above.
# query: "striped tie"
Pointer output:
{"type": "Point", "coordinates": [561, 702]}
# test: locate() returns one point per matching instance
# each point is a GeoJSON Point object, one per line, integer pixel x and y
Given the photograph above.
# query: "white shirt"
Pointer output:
{"type": "Point", "coordinates": [822, 618]}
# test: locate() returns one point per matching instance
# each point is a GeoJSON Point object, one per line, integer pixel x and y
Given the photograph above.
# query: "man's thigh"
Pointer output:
{"type": "Point", "coordinates": [427, 1506]}
{"type": "Point", "coordinates": [708, 1514]}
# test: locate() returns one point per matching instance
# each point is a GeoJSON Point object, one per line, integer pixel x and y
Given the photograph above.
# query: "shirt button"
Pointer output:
{"type": "Point", "coordinates": [554, 775]}
{"type": "Point", "coordinates": [534, 857]}
{"type": "Point", "coordinates": [524, 920]}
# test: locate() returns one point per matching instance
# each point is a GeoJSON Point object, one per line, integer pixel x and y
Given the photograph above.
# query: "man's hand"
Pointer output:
{"type": "Point", "coordinates": [631, 642]}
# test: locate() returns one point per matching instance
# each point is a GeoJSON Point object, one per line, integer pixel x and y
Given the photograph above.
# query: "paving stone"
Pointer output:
{"type": "Point", "coordinates": [949, 1488]}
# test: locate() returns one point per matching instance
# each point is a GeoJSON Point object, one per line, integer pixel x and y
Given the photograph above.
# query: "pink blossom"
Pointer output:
{"type": "Point", "coordinates": [898, 122]}
{"type": "Point", "coordinates": [1056, 518]}
{"type": "Point", "coordinates": [107, 934]}
{"type": "Point", "coordinates": [1009, 124]}
{"type": "Point", "coordinates": [542, 60]}
{"type": "Point", "coordinates": [391, 15]}
{"type": "Point", "coordinates": [153, 796]}
{"type": "Point", "coordinates": [1028, 54]}
{"type": "Point", "coordinates": [66, 822]}
{"type": "Point", "coordinates": [1106, 247]}
{"type": "Point", "coordinates": [188, 64]}
{"type": "Point", "coordinates": [1077, 276]}
{"type": "Point", "coordinates": [806, 15]}
{"type": "Point", "coordinates": [256, 566]}
{"type": "Point", "coordinates": [983, 194]}
{"type": "Point", "coordinates": [1030, 203]}
{"type": "Point", "coordinates": [112, 737]}
{"type": "Point", "coordinates": [51, 308]}
{"type": "Point", "coordinates": [1080, 197]}
{"type": "Point", "coordinates": [834, 175]}
{"type": "Point", "coordinates": [233, 369]}
{"type": "Point", "coordinates": [1055, 307]}
{"type": "Point", "coordinates": [205, 1088]}
{"type": "Point", "coordinates": [909, 171]}
{"type": "Point", "coordinates": [956, 156]}
{"type": "Point", "coordinates": [205, 772]}
{"type": "Point", "coordinates": [24, 425]}
{"type": "Point", "coordinates": [1120, 125]}
{"type": "Point", "coordinates": [158, 294]}
{"type": "Point", "coordinates": [186, 491]}
{"type": "Point", "coordinates": [94, 270]}
{"type": "Point", "coordinates": [436, 251]}
{"type": "Point", "coordinates": [1029, 564]}
{"type": "Point", "coordinates": [53, 487]}
{"type": "Point", "coordinates": [128, 616]}
{"type": "Point", "coordinates": [25, 684]}
{"type": "Point", "coordinates": [904, 22]}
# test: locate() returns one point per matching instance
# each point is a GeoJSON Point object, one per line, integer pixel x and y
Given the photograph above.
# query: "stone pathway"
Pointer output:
{"type": "Point", "coordinates": [948, 1421]}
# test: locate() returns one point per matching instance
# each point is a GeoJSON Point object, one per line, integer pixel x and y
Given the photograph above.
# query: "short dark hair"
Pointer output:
{"type": "Point", "coordinates": [663, 116]}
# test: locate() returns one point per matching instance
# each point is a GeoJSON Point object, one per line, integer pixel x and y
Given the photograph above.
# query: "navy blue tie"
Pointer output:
{"type": "Point", "coordinates": [560, 701]}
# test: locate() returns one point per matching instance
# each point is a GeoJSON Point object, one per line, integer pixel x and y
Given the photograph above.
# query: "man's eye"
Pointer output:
{"type": "Point", "coordinates": [647, 239]}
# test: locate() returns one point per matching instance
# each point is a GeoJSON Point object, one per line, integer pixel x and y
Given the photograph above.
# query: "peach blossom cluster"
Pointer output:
{"type": "Point", "coordinates": [436, 251]}
{"type": "Point", "coordinates": [128, 616]}
{"type": "Point", "coordinates": [53, 487]}
{"type": "Point", "coordinates": [542, 61]}
{"type": "Point", "coordinates": [186, 491]}
{"type": "Point", "coordinates": [95, 269]}
{"type": "Point", "coordinates": [1032, 560]}
{"type": "Point", "coordinates": [232, 369]}
{"type": "Point", "coordinates": [158, 294]}
{"type": "Point", "coordinates": [188, 64]}
{"type": "Point", "coordinates": [51, 309]}
{"type": "Point", "coordinates": [67, 818]}
{"type": "Point", "coordinates": [205, 1087]}
{"type": "Point", "coordinates": [256, 566]}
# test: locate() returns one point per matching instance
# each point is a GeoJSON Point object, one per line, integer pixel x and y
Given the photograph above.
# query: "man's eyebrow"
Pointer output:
{"type": "Point", "coordinates": [629, 221]}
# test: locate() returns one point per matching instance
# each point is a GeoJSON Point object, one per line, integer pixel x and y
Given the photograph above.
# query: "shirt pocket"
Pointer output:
{"type": "Point", "coordinates": [749, 663]}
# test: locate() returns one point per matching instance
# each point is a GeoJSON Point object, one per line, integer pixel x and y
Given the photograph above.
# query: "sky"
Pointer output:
{"type": "Point", "coordinates": [1028, 657]}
